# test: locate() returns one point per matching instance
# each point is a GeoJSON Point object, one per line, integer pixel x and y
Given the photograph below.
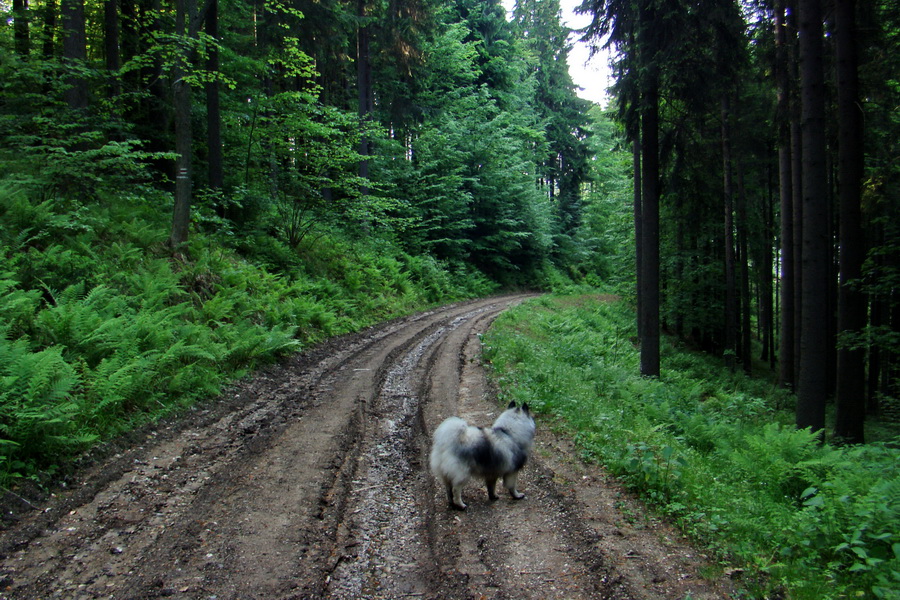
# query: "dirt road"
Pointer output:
{"type": "Point", "coordinates": [310, 481]}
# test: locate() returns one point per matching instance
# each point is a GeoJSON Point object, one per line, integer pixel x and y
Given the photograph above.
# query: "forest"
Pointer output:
{"type": "Point", "coordinates": [189, 190]}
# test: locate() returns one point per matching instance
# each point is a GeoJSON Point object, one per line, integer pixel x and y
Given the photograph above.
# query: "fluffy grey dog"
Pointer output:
{"type": "Point", "coordinates": [461, 451]}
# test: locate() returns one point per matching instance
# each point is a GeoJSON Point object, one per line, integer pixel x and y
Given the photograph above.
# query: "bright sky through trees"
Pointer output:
{"type": "Point", "coordinates": [592, 75]}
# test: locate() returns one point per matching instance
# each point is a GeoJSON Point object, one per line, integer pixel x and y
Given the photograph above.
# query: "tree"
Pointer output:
{"type": "Point", "coordinates": [851, 301]}
{"type": "Point", "coordinates": [786, 198]}
{"type": "Point", "coordinates": [21, 27]}
{"type": "Point", "coordinates": [813, 380]}
{"type": "Point", "coordinates": [74, 53]}
{"type": "Point", "coordinates": [184, 12]}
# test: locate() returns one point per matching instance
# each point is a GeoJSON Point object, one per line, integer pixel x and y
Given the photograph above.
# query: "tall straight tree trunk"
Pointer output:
{"type": "Point", "coordinates": [851, 399]}
{"type": "Point", "coordinates": [785, 179]}
{"type": "Point", "coordinates": [74, 52]}
{"type": "Point", "coordinates": [213, 105]}
{"type": "Point", "coordinates": [766, 301]}
{"type": "Point", "coordinates": [745, 352]}
{"type": "Point", "coordinates": [183, 135]}
{"type": "Point", "coordinates": [21, 28]}
{"type": "Point", "coordinates": [813, 381]}
{"type": "Point", "coordinates": [49, 14]}
{"type": "Point", "coordinates": [111, 46]}
{"type": "Point", "coordinates": [638, 218]}
{"type": "Point", "coordinates": [650, 366]}
{"type": "Point", "coordinates": [731, 311]}
{"type": "Point", "coordinates": [365, 89]}
{"type": "Point", "coordinates": [796, 179]}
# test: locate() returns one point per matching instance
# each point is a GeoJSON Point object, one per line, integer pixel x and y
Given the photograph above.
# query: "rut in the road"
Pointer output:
{"type": "Point", "coordinates": [383, 544]}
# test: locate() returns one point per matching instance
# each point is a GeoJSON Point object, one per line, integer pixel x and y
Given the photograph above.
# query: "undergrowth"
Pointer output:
{"type": "Point", "coordinates": [714, 450]}
{"type": "Point", "coordinates": [102, 330]}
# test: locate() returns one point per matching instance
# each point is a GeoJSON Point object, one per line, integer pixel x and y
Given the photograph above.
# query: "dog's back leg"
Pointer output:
{"type": "Point", "coordinates": [509, 482]}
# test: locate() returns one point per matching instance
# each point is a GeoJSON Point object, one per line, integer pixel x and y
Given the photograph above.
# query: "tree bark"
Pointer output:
{"type": "Point", "coordinates": [21, 28]}
{"type": "Point", "coordinates": [731, 312]}
{"type": "Point", "coordinates": [850, 394]}
{"type": "Point", "coordinates": [74, 52]}
{"type": "Point", "coordinates": [785, 179]}
{"type": "Point", "coordinates": [813, 379]}
{"type": "Point", "coordinates": [213, 105]}
{"type": "Point", "coordinates": [183, 136]}
{"type": "Point", "coordinates": [49, 14]}
{"type": "Point", "coordinates": [650, 363]}
{"type": "Point", "coordinates": [365, 89]}
{"type": "Point", "coordinates": [744, 264]}
{"type": "Point", "coordinates": [636, 152]}
{"type": "Point", "coordinates": [111, 46]}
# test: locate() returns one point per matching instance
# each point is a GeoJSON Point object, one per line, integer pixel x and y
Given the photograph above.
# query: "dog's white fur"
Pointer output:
{"type": "Point", "coordinates": [461, 451]}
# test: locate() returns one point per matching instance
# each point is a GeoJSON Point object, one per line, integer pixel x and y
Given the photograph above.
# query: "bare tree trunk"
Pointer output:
{"type": "Point", "coordinates": [74, 52]}
{"type": "Point", "coordinates": [21, 28]}
{"type": "Point", "coordinates": [183, 136]}
{"type": "Point", "coordinates": [812, 383]}
{"type": "Point", "coordinates": [111, 46]}
{"type": "Point", "coordinates": [746, 337]}
{"type": "Point", "coordinates": [636, 151]}
{"type": "Point", "coordinates": [785, 179]}
{"type": "Point", "coordinates": [731, 312]}
{"type": "Point", "coordinates": [650, 330]}
{"type": "Point", "coordinates": [366, 92]}
{"type": "Point", "coordinates": [49, 29]}
{"type": "Point", "coordinates": [213, 105]}
{"type": "Point", "coordinates": [851, 398]}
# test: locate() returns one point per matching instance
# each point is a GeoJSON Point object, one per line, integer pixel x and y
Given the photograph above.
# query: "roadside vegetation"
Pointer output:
{"type": "Point", "coordinates": [716, 451]}
{"type": "Point", "coordinates": [101, 330]}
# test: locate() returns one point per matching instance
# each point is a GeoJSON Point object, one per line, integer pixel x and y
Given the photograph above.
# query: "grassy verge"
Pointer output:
{"type": "Point", "coordinates": [101, 330]}
{"type": "Point", "coordinates": [713, 450]}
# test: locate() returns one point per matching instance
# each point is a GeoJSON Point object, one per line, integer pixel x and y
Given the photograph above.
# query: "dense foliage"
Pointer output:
{"type": "Point", "coordinates": [189, 189]}
{"type": "Point", "coordinates": [100, 329]}
{"type": "Point", "coordinates": [713, 449]}
{"type": "Point", "coordinates": [765, 135]}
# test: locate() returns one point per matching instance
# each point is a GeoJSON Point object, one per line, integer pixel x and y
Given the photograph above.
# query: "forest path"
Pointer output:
{"type": "Point", "coordinates": [310, 481]}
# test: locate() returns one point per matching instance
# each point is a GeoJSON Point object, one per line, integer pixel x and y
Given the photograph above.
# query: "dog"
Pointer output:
{"type": "Point", "coordinates": [461, 451]}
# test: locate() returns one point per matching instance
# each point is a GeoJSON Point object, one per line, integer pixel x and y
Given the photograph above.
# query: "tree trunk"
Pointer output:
{"type": "Point", "coordinates": [636, 152]}
{"type": "Point", "coordinates": [74, 52]}
{"type": "Point", "coordinates": [111, 46]}
{"type": "Point", "coordinates": [851, 398]}
{"type": "Point", "coordinates": [813, 379]}
{"type": "Point", "coordinates": [796, 181]}
{"type": "Point", "coordinates": [49, 30]}
{"type": "Point", "coordinates": [785, 179]}
{"type": "Point", "coordinates": [731, 312]}
{"type": "Point", "coordinates": [366, 92]}
{"type": "Point", "coordinates": [745, 337]}
{"type": "Point", "coordinates": [213, 105]}
{"type": "Point", "coordinates": [650, 366]}
{"type": "Point", "coordinates": [21, 28]}
{"type": "Point", "coordinates": [183, 136]}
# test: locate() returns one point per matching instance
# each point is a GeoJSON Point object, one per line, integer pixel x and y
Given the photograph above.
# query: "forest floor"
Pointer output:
{"type": "Point", "coordinates": [310, 480]}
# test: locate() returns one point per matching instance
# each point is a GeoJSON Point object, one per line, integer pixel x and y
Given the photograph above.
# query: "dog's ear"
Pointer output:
{"type": "Point", "coordinates": [512, 404]}
{"type": "Point", "coordinates": [525, 409]}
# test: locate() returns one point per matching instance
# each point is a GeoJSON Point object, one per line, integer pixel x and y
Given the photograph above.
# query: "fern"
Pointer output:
{"type": "Point", "coordinates": [38, 410]}
{"type": "Point", "coordinates": [17, 306]}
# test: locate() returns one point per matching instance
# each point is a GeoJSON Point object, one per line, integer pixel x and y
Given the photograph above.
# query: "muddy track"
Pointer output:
{"type": "Point", "coordinates": [310, 481]}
